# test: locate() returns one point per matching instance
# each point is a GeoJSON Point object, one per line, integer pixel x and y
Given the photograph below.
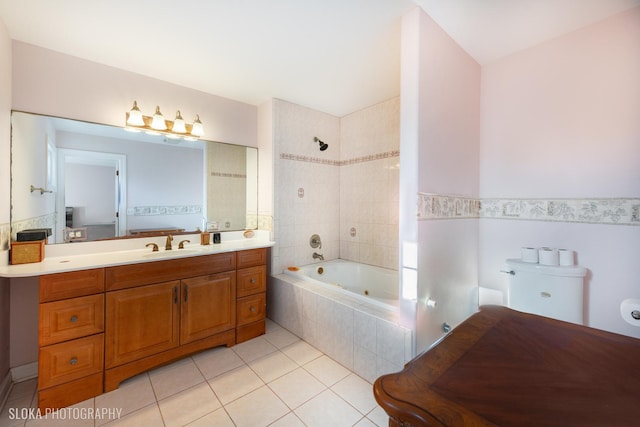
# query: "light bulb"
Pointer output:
{"type": "Point", "coordinates": [197, 129]}
{"type": "Point", "coordinates": [158, 122]}
{"type": "Point", "coordinates": [178, 124]}
{"type": "Point", "coordinates": [135, 116]}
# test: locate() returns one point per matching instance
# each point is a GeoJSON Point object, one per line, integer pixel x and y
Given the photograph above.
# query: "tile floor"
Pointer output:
{"type": "Point", "coordinates": [273, 380]}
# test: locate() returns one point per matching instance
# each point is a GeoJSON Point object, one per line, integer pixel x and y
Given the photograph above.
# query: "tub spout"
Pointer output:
{"type": "Point", "coordinates": [318, 256]}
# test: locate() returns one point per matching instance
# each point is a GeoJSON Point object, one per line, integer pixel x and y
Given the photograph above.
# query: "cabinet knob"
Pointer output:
{"type": "Point", "coordinates": [253, 280]}
{"type": "Point", "coordinates": [73, 361]}
{"type": "Point", "coordinates": [74, 319]}
{"type": "Point", "coordinates": [252, 309]}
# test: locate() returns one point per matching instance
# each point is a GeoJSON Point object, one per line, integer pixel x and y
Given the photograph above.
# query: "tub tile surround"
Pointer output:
{"type": "Point", "coordinates": [353, 185]}
{"type": "Point", "coordinates": [364, 338]}
{"type": "Point", "coordinates": [613, 211]}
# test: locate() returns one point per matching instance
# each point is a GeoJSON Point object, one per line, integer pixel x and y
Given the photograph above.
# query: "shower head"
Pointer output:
{"type": "Point", "coordinates": [323, 146]}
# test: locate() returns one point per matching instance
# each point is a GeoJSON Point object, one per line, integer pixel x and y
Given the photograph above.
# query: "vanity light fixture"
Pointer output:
{"type": "Point", "coordinates": [157, 124]}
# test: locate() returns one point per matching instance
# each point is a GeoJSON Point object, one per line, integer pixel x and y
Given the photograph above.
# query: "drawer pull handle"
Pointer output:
{"type": "Point", "coordinates": [175, 294]}
{"type": "Point", "coordinates": [252, 309]}
{"type": "Point", "coordinates": [253, 280]}
{"type": "Point", "coordinates": [73, 361]}
{"type": "Point", "coordinates": [74, 319]}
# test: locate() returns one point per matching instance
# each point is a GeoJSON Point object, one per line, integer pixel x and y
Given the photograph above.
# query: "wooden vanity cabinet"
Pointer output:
{"type": "Point", "coordinates": [70, 337]}
{"type": "Point", "coordinates": [100, 326]}
{"type": "Point", "coordinates": [251, 305]}
{"type": "Point", "coordinates": [160, 311]}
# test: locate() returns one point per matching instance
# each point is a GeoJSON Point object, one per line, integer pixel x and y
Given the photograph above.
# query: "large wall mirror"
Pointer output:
{"type": "Point", "coordinates": [86, 181]}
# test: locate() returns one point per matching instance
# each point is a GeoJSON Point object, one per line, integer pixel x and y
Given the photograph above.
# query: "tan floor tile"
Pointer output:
{"type": "Point", "coordinates": [328, 409]}
{"type": "Point", "coordinates": [217, 361]}
{"type": "Point", "coordinates": [218, 418]}
{"type": "Point", "coordinates": [258, 408]}
{"type": "Point", "coordinates": [301, 352]}
{"type": "Point", "coordinates": [148, 416]}
{"type": "Point", "coordinates": [133, 394]}
{"type": "Point", "coordinates": [297, 387]}
{"type": "Point", "coordinates": [327, 370]}
{"type": "Point", "coordinates": [272, 366]}
{"type": "Point", "coordinates": [289, 420]}
{"type": "Point", "coordinates": [188, 405]}
{"type": "Point", "coordinates": [254, 349]}
{"type": "Point", "coordinates": [357, 392]}
{"type": "Point", "coordinates": [234, 384]}
{"type": "Point", "coordinates": [281, 338]}
{"type": "Point", "coordinates": [174, 378]}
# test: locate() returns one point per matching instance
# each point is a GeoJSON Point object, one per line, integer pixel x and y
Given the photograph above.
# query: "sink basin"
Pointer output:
{"type": "Point", "coordinates": [171, 253]}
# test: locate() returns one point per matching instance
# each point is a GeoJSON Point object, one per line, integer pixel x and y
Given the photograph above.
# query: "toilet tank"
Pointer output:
{"type": "Point", "coordinates": [551, 291]}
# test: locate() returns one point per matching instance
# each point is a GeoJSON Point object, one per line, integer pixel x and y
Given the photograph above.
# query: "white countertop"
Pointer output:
{"type": "Point", "coordinates": [96, 258]}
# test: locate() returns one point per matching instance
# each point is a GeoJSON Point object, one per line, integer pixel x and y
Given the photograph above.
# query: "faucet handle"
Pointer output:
{"type": "Point", "coordinates": [155, 246]}
{"type": "Point", "coordinates": [181, 244]}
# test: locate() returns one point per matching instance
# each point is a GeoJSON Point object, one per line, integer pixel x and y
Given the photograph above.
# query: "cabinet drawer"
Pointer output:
{"type": "Point", "coordinates": [71, 318]}
{"type": "Point", "coordinates": [128, 276]}
{"type": "Point", "coordinates": [72, 284]}
{"type": "Point", "coordinates": [70, 360]}
{"type": "Point", "coordinates": [252, 257]}
{"type": "Point", "coordinates": [251, 309]}
{"type": "Point", "coordinates": [252, 281]}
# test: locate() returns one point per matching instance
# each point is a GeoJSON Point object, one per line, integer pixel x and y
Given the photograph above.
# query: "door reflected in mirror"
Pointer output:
{"type": "Point", "coordinates": [104, 182]}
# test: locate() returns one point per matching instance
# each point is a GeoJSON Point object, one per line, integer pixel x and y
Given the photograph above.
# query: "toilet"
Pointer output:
{"type": "Point", "coordinates": [548, 290]}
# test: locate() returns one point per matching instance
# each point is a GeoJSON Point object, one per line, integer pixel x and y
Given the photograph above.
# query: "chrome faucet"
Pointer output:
{"type": "Point", "coordinates": [167, 245]}
{"type": "Point", "coordinates": [318, 256]}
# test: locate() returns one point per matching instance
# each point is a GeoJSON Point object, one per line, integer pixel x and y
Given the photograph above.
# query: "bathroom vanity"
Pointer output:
{"type": "Point", "coordinates": [100, 324]}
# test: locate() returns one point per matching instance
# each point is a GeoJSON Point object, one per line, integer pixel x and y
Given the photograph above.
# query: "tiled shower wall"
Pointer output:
{"type": "Point", "coordinates": [369, 185]}
{"type": "Point", "coordinates": [348, 194]}
{"type": "Point", "coordinates": [306, 184]}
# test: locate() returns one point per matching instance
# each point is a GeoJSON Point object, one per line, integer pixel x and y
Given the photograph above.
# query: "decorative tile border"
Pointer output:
{"type": "Point", "coordinates": [435, 206]}
{"type": "Point", "coordinates": [371, 157]}
{"type": "Point", "coordinates": [228, 175]}
{"type": "Point", "coordinates": [618, 211]}
{"type": "Point", "coordinates": [307, 159]}
{"type": "Point", "coordinates": [355, 160]}
{"type": "Point", "coordinates": [165, 210]}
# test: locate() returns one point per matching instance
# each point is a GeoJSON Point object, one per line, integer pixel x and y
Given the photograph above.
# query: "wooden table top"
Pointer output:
{"type": "Point", "coordinates": [507, 368]}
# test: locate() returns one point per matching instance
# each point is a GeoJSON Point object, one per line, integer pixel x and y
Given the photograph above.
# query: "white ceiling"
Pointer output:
{"type": "Point", "coordinates": [337, 56]}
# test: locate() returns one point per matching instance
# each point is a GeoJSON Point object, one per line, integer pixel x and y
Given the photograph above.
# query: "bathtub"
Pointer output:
{"type": "Point", "coordinates": [371, 284]}
{"type": "Point", "coordinates": [350, 312]}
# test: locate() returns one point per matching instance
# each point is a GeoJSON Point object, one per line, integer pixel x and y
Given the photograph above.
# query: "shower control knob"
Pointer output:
{"type": "Point", "coordinates": [431, 303]}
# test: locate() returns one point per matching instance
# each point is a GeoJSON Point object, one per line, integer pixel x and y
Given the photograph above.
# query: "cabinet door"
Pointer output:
{"type": "Point", "coordinates": [141, 321]}
{"type": "Point", "coordinates": [208, 306]}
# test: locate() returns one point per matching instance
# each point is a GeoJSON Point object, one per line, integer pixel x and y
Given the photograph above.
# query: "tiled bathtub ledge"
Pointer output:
{"type": "Point", "coordinates": [616, 211]}
{"type": "Point", "coordinates": [362, 337]}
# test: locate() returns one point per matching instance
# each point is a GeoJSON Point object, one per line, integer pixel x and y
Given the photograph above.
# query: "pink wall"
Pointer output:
{"type": "Point", "coordinates": [447, 82]}
{"type": "Point", "coordinates": [5, 135]}
{"type": "Point", "coordinates": [562, 120]}
{"type": "Point", "coordinates": [52, 83]}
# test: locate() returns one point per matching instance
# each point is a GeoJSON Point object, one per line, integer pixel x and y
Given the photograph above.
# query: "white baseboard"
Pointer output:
{"type": "Point", "coordinates": [24, 372]}
{"type": "Point", "coordinates": [5, 389]}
